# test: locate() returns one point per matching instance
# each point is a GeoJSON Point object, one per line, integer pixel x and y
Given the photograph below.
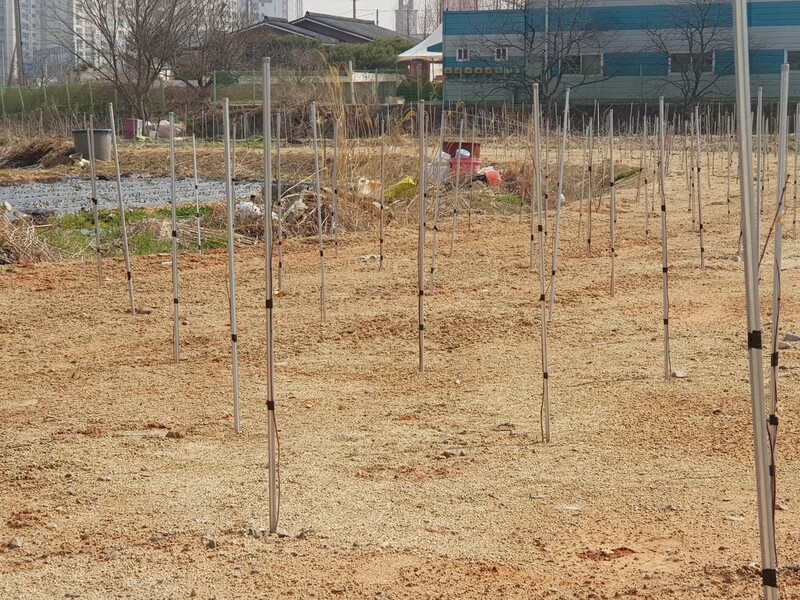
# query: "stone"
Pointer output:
{"type": "Point", "coordinates": [173, 434]}
{"type": "Point", "coordinates": [450, 453]}
{"type": "Point", "coordinates": [784, 345]}
{"type": "Point", "coordinates": [111, 554]}
{"type": "Point", "coordinates": [209, 542]}
{"type": "Point", "coordinates": [736, 258]}
{"type": "Point", "coordinates": [104, 478]}
{"type": "Point", "coordinates": [85, 536]}
{"type": "Point", "coordinates": [680, 374]}
{"type": "Point", "coordinates": [156, 538]}
{"type": "Point", "coordinates": [734, 518]}
{"type": "Point", "coordinates": [255, 532]}
{"type": "Point", "coordinates": [791, 337]}
{"type": "Point", "coordinates": [15, 543]}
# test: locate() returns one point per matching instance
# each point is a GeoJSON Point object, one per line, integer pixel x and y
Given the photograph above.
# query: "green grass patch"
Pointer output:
{"type": "Point", "coordinates": [183, 212]}
{"type": "Point", "coordinates": [511, 199]}
{"type": "Point", "coordinates": [73, 234]}
{"type": "Point", "coordinates": [626, 174]}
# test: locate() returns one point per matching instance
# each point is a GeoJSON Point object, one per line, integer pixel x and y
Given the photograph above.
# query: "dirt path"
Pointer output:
{"type": "Point", "coordinates": [646, 490]}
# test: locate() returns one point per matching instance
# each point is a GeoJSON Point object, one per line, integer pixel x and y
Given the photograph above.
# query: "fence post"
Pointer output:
{"type": "Point", "coordinates": [69, 100]}
{"type": "Point", "coordinates": [21, 99]}
{"type": "Point", "coordinates": [91, 96]}
{"type": "Point", "coordinates": [44, 90]}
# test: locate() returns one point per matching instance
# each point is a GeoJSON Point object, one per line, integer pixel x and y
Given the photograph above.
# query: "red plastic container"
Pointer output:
{"type": "Point", "coordinates": [469, 166]}
{"type": "Point", "coordinates": [474, 149]}
{"type": "Point", "coordinates": [131, 128]}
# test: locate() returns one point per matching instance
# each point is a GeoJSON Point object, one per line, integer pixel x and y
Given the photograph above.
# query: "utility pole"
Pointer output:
{"type": "Point", "coordinates": [354, 9]}
{"type": "Point", "coordinates": [18, 27]}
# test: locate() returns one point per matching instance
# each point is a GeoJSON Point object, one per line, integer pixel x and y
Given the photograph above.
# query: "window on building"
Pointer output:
{"type": "Point", "coordinates": [501, 53]}
{"type": "Point", "coordinates": [793, 59]}
{"type": "Point", "coordinates": [462, 54]}
{"type": "Point", "coordinates": [684, 62]}
{"type": "Point", "coordinates": [582, 64]}
{"type": "Point", "coordinates": [592, 64]}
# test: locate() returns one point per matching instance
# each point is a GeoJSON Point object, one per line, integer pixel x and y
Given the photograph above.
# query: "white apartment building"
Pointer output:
{"type": "Point", "coordinates": [31, 33]}
{"type": "Point", "coordinates": [256, 10]}
{"type": "Point", "coordinates": [47, 27]}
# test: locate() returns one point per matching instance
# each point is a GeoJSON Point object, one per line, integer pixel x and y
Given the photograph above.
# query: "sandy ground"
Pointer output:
{"type": "Point", "coordinates": [647, 488]}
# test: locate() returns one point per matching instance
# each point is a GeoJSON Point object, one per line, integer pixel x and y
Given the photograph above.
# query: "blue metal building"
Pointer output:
{"type": "Point", "coordinates": [616, 50]}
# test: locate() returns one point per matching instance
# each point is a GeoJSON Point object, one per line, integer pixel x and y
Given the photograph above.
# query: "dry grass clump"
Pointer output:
{"type": "Point", "coordinates": [47, 152]}
{"type": "Point", "coordinates": [19, 242]}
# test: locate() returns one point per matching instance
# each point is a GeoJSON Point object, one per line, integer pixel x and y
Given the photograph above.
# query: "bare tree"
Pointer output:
{"type": "Point", "coordinates": [565, 50]}
{"type": "Point", "coordinates": [128, 43]}
{"type": "Point", "coordinates": [431, 12]}
{"type": "Point", "coordinates": [689, 36]}
{"type": "Point", "coordinates": [215, 43]}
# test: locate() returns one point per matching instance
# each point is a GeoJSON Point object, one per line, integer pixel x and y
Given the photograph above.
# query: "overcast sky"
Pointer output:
{"type": "Point", "coordinates": [365, 9]}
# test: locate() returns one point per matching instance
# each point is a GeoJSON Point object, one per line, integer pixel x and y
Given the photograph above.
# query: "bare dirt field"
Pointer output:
{"type": "Point", "coordinates": [396, 484]}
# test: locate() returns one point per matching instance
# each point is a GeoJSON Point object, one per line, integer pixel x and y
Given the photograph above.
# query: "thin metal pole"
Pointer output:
{"type": "Point", "coordinates": [458, 184]}
{"type": "Point", "coordinates": [691, 169]}
{"type": "Point", "coordinates": [580, 199]}
{"type": "Point", "coordinates": [644, 175]}
{"type": "Point", "coordinates": [794, 179]}
{"type": "Point", "coordinates": [383, 193]}
{"type": "Point", "coordinates": [436, 202]}
{"type": "Point", "coordinates": [176, 322]}
{"type": "Point", "coordinates": [335, 187]}
{"type": "Point", "coordinates": [537, 146]}
{"type": "Point", "coordinates": [95, 216]}
{"type": "Point", "coordinates": [196, 197]}
{"type": "Point", "coordinates": [279, 198]}
{"type": "Point", "coordinates": [613, 201]}
{"type": "Point", "coordinates": [699, 155]}
{"type": "Point", "coordinates": [782, 181]}
{"type": "Point", "coordinates": [730, 164]}
{"type": "Point", "coordinates": [766, 507]}
{"type": "Point", "coordinates": [315, 133]}
{"type": "Point", "coordinates": [665, 279]}
{"type": "Point", "coordinates": [272, 428]}
{"type": "Point", "coordinates": [226, 125]}
{"type": "Point", "coordinates": [591, 193]}
{"type": "Point", "coordinates": [121, 204]}
{"type": "Point", "coordinates": [558, 206]}
{"type": "Point", "coordinates": [421, 241]}
{"type": "Point", "coordinates": [759, 169]}
{"type": "Point", "coordinates": [535, 200]}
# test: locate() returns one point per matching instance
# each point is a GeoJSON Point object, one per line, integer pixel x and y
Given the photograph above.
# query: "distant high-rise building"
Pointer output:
{"type": "Point", "coordinates": [405, 18]}
{"type": "Point", "coordinates": [256, 10]}
{"type": "Point", "coordinates": [49, 42]}
{"type": "Point", "coordinates": [31, 34]}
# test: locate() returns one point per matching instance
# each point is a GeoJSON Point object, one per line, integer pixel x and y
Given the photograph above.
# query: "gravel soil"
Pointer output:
{"type": "Point", "coordinates": [122, 476]}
